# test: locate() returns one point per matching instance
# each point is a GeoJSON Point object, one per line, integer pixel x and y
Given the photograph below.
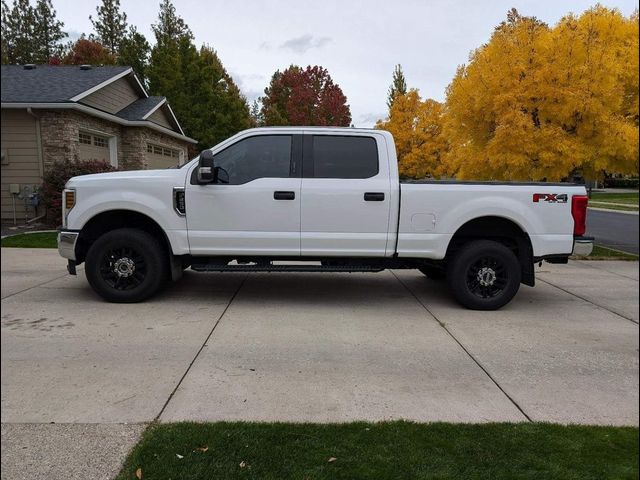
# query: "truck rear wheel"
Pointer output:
{"type": "Point", "coordinates": [484, 275]}
{"type": "Point", "coordinates": [126, 265]}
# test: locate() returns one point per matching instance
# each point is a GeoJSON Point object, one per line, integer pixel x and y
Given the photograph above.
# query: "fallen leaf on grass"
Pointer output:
{"type": "Point", "coordinates": [202, 449]}
{"type": "Point", "coordinates": [243, 464]}
{"type": "Point", "coordinates": [332, 459]}
{"type": "Point", "coordinates": [139, 473]}
{"type": "Point", "coordinates": [179, 456]}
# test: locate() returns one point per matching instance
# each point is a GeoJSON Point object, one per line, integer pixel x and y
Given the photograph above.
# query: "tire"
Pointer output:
{"type": "Point", "coordinates": [433, 273]}
{"type": "Point", "coordinates": [484, 275]}
{"type": "Point", "coordinates": [126, 265]}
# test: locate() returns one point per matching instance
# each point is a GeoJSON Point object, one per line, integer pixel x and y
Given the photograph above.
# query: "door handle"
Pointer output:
{"type": "Point", "coordinates": [374, 197]}
{"type": "Point", "coordinates": [284, 195]}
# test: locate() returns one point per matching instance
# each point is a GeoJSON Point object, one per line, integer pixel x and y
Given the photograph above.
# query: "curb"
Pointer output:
{"type": "Point", "coordinates": [27, 233]}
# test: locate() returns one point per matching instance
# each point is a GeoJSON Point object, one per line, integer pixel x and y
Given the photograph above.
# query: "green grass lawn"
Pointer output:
{"type": "Point", "coordinates": [627, 201]}
{"type": "Point", "coordinates": [31, 240]}
{"type": "Point", "coordinates": [390, 450]}
{"type": "Point", "coordinates": [603, 253]}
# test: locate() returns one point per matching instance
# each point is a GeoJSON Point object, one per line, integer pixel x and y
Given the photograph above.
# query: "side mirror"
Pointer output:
{"type": "Point", "coordinates": [206, 170]}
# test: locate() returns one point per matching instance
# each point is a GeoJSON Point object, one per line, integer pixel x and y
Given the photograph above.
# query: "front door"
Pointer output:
{"type": "Point", "coordinates": [254, 208]}
{"type": "Point", "coordinates": [345, 195]}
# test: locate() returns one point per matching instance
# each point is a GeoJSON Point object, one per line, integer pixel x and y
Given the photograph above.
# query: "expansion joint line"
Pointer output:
{"type": "Point", "coordinates": [204, 344]}
{"type": "Point", "coordinates": [474, 359]}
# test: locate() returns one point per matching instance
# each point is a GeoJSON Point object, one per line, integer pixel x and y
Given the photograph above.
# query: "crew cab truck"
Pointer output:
{"type": "Point", "coordinates": [298, 199]}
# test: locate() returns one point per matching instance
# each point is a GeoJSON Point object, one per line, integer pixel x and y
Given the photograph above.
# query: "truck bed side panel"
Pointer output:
{"type": "Point", "coordinates": [431, 213]}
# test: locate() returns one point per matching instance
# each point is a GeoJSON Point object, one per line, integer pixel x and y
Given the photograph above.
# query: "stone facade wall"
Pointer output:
{"type": "Point", "coordinates": [59, 132]}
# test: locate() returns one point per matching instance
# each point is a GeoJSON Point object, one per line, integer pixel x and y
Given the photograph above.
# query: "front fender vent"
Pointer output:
{"type": "Point", "coordinates": [179, 202]}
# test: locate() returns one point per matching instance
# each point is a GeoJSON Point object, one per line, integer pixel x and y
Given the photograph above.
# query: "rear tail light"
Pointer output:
{"type": "Point", "coordinates": [579, 214]}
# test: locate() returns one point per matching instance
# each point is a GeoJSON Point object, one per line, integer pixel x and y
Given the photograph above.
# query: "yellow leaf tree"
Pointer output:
{"type": "Point", "coordinates": [538, 103]}
{"type": "Point", "coordinates": [417, 126]}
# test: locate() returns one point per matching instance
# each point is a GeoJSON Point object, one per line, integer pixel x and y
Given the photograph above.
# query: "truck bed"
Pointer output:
{"type": "Point", "coordinates": [431, 211]}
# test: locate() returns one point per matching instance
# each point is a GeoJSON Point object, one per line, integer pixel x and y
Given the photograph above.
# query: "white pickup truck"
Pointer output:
{"type": "Point", "coordinates": [306, 199]}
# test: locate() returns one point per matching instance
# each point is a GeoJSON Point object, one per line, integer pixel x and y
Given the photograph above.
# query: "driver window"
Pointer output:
{"type": "Point", "coordinates": [255, 157]}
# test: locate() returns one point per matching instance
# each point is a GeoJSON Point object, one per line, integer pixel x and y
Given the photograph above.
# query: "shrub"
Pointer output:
{"type": "Point", "coordinates": [617, 182]}
{"type": "Point", "coordinates": [55, 178]}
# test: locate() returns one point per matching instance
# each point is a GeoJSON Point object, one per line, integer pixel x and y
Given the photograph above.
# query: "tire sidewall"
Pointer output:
{"type": "Point", "coordinates": [457, 273]}
{"type": "Point", "coordinates": [145, 245]}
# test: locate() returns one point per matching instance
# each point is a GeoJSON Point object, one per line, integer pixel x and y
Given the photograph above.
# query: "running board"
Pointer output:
{"type": "Point", "coordinates": [213, 267]}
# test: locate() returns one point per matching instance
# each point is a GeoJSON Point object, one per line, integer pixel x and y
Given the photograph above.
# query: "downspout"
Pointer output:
{"type": "Point", "coordinates": [40, 159]}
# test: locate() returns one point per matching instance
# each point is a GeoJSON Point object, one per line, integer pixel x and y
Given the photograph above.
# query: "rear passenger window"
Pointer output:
{"type": "Point", "coordinates": [344, 157]}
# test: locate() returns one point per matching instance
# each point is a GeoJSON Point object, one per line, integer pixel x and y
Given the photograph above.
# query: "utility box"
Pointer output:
{"type": "Point", "coordinates": [14, 188]}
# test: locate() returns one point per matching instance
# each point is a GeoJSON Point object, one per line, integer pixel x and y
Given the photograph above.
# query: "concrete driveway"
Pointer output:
{"type": "Point", "coordinates": [300, 347]}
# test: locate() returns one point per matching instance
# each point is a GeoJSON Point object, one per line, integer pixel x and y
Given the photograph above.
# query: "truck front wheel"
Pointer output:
{"type": "Point", "coordinates": [126, 265]}
{"type": "Point", "coordinates": [484, 275]}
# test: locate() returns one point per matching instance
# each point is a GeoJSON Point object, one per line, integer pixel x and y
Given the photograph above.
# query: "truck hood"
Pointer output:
{"type": "Point", "coordinates": [113, 179]}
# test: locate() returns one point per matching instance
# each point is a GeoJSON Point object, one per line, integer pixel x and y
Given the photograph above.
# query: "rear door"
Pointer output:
{"type": "Point", "coordinates": [345, 195]}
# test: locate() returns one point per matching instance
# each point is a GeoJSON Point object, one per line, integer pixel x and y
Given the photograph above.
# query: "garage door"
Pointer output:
{"type": "Point", "coordinates": [93, 147]}
{"type": "Point", "coordinates": [161, 157]}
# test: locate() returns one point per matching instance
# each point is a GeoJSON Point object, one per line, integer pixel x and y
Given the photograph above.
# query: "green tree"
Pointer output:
{"type": "Point", "coordinates": [226, 107]}
{"type": "Point", "coordinates": [256, 115]}
{"type": "Point", "coordinates": [111, 25]}
{"type": "Point", "coordinates": [134, 51]}
{"type": "Point", "coordinates": [199, 89]}
{"type": "Point", "coordinates": [398, 86]}
{"type": "Point", "coordinates": [47, 32]}
{"type": "Point", "coordinates": [18, 32]}
{"type": "Point", "coordinates": [4, 48]}
{"type": "Point", "coordinates": [170, 27]}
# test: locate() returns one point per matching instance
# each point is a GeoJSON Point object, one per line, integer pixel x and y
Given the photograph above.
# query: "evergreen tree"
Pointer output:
{"type": "Point", "coordinates": [398, 86]}
{"type": "Point", "coordinates": [111, 25]}
{"type": "Point", "coordinates": [256, 115]}
{"type": "Point", "coordinates": [199, 89]}
{"type": "Point", "coordinates": [134, 51]}
{"type": "Point", "coordinates": [47, 32]}
{"type": "Point", "coordinates": [4, 47]}
{"type": "Point", "coordinates": [18, 32]}
{"type": "Point", "coordinates": [170, 27]}
{"type": "Point", "coordinates": [226, 107]}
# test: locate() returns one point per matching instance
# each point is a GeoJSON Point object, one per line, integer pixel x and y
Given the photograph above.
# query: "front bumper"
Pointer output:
{"type": "Point", "coordinates": [67, 244]}
{"type": "Point", "coordinates": [582, 246]}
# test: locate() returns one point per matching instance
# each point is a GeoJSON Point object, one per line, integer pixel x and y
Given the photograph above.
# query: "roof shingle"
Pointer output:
{"type": "Point", "coordinates": [51, 84]}
{"type": "Point", "coordinates": [139, 108]}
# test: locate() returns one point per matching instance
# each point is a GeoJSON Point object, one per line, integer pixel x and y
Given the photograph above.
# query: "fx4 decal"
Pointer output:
{"type": "Point", "coordinates": [550, 197]}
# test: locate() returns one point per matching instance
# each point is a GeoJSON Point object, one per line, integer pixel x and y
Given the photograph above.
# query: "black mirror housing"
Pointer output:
{"type": "Point", "coordinates": [206, 168]}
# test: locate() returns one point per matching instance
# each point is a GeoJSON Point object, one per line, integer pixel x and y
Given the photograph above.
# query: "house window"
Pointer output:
{"type": "Point", "coordinates": [164, 151]}
{"type": "Point", "coordinates": [99, 141]}
{"type": "Point", "coordinates": [86, 138]}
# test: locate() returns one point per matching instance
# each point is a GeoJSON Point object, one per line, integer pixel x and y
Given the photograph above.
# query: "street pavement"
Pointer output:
{"type": "Point", "coordinates": [613, 229]}
{"type": "Point", "coordinates": [82, 378]}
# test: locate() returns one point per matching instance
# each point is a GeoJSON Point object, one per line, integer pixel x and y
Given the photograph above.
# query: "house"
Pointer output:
{"type": "Point", "coordinates": [64, 113]}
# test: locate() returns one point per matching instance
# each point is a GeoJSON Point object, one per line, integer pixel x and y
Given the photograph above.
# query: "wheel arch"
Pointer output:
{"type": "Point", "coordinates": [503, 230]}
{"type": "Point", "coordinates": [109, 220]}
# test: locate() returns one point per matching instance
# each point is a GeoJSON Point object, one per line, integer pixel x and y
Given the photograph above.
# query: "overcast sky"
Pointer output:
{"type": "Point", "coordinates": [359, 42]}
